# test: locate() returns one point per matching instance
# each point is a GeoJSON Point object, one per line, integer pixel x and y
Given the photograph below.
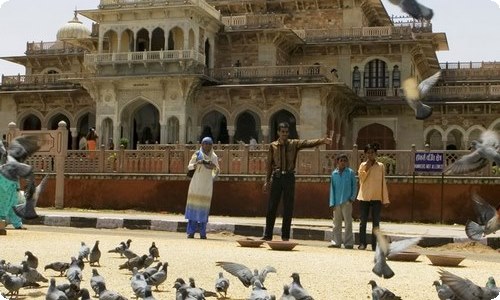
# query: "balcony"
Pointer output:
{"type": "Point", "coordinates": [272, 74]}
{"type": "Point", "coordinates": [355, 34]}
{"type": "Point", "coordinates": [244, 22]}
{"type": "Point", "coordinates": [42, 81]}
{"type": "Point", "coordinates": [470, 71]}
{"type": "Point", "coordinates": [57, 48]}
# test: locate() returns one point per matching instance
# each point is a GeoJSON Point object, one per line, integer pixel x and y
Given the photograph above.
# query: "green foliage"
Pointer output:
{"type": "Point", "coordinates": [124, 142]}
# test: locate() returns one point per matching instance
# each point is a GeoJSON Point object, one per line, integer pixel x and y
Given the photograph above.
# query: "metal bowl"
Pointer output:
{"type": "Point", "coordinates": [445, 260]}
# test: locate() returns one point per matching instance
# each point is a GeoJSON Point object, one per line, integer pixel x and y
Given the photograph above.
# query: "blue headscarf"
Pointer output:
{"type": "Point", "coordinates": [207, 140]}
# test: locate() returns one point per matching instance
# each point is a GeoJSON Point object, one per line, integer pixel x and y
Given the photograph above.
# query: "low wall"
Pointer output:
{"type": "Point", "coordinates": [419, 199]}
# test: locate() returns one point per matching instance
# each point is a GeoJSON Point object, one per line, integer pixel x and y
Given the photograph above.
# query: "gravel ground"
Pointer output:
{"type": "Point", "coordinates": [326, 273]}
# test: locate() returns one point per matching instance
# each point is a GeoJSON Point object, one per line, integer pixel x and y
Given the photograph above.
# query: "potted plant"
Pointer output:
{"type": "Point", "coordinates": [124, 142]}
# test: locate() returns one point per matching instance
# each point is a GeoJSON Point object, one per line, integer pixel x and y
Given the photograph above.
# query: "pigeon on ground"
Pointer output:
{"type": "Point", "coordinates": [121, 247]}
{"type": "Point", "coordinates": [414, 9]}
{"type": "Point", "coordinates": [97, 282]}
{"type": "Point", "coordinates": [84, 294]}
{"type": "Point", "coordinates": [53, 293]}
{"type": "Point", "coordinates": [148, 294]}
{"type": "Point", "coordinates": [148, 261]}
{"type": "Point", "coordinates": [31, 259]}
{"type": "Point", "coordinates": [384, 248]}
{"type": "Point", "coordinates": [32, 275]}
{"type": "Point", "coordinates": [159, 277]}
{"type": "Point", "coordinates": [95, 255]}
{"type": "Point", "coordinates": [154, 252]}
{"type": "Point", "coordinates": [149, 271]}
{"type": "Point", "coordinates": [444, 292]}
{"type": "Point", "coordinates": [13, 283]}
{"type": "Point", "coordinates": [26, 210]}
{"type": "Point", "coordinates": [14, 269]}
{"type": "Point", "coordinates": [128, 253]}
{"type": "Point", "coordinates": [491, 283]}
{"type": "Point", "coordinates": [138, 284]}
{"type": "Point", "coordinates": [135, 262]}
{"type": "Point", "coordinates": [259, 293]}
{"type": "Point", "coordinates": [484, 151]}
{"type": "Point", "coordinates": [58, 266]}
{"type": "Point", "coordinates": [105, 294]}
{"type": "Point", "coordinates": [244, 274]}
{"type": "Point", "coordinates": [466, 289]}
{"type": "Point", "coordinates": [296, 289]}
{"type": "Point", "coordinates": [488, 219]}
{"type": "Point", "coordinates": [199, 292]}
{"type": "Point", "coordinates": [222, 284]}
{"type": "Point", "coordinates": [286, 293]}
{"type": "Point", "coordinates": [414, 93]}
{"type": "Point", "coordinates": [74, 273]}
{"type": "Point", "coordinates": [84, 251]}
{"type": "Point", "coordinates": [380, 293]}
{"type": "Point", "coordinates": [70, 290]}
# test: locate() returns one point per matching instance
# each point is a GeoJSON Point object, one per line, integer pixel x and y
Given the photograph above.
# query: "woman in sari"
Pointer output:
{"type": "Point", "coordinates": [206, 166]}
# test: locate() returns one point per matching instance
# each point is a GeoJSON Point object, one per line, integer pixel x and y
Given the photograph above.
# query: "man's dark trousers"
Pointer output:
{"type": "Point", "coordinates": [282, 184]}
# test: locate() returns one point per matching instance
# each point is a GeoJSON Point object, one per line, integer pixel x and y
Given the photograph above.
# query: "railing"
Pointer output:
{"type": "Point", "coordinates": [39, 80]}
{"type": "Point", "coordinates": [138, 3]}
{"type": "Point", "coordinates": [144, 57]}
{"type": "Point", "coordinates": [252, 22]}
{"type": "Point", "coordinates": [355, 33]}
{"type": "Point", "coordinates": [51, 48]}
{"type": "Point", "coordinates": [445, 91]}
{"type": "Point", "coordinates": [272, 73]}
{"type": "Point", "coordinates": [234, 159]}
{"type": "Point", "coordinates": [467, 71]}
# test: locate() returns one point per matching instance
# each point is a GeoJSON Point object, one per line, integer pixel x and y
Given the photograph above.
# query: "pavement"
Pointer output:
{"type": "Point", "coordinates": [433, 235]}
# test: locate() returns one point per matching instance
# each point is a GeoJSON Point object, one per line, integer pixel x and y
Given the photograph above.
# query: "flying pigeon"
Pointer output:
{"type": "Point", "coordinates": [222, 284]}
{"type": "Point", "coordinates": [380, 293]}
{"type": "Point", "coordinates": [95, 255]}
{"type": "Point", "coordinates": [384, 248]}
{"type": "Point", "coordinates": [444, 292]}
{"type": "Point", "coordinates": [466, 289]}
{"type": "Point", "coordinates": [484, 151]}
{"type": "Point", "coordinates": [27, 210]}
{"type": "Point", "coordinates": [488, 219]}
{"type": "Point", "coordinates": [414, 9]}
{"type": "Point", "coordinates": [296, 289]}
{"type": "Point", "coordinates": [244, 274]}
{"type": "Point", "coordinates": [414, 93]}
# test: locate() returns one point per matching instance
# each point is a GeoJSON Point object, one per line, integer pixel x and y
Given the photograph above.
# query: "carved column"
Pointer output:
{"type": "Point", "coordinates": [231, 130]}
{"type": "Point", "coordinates": [265, 133]}
{"type": "Point", "coordinates": [74, 138]}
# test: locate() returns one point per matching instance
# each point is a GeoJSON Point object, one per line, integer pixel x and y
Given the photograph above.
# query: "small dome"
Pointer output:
{"type": "Point", "coordinates": [72, 30]}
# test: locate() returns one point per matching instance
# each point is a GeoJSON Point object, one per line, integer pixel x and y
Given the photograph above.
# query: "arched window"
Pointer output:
{"type": "Point", "coordinates": [376, 74]}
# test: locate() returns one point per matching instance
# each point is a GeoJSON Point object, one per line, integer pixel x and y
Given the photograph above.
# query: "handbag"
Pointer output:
{"type": "Point", "coordinates": [190, 173]}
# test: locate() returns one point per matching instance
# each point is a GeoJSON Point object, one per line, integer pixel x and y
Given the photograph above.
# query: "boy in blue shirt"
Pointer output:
{"type": "Point", "coordinates": [343, 189]}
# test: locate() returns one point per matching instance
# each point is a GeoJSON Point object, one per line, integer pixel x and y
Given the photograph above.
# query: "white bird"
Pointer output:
{"type": "Point", "coordinates": [488, 219]}
{"type": "Point", "coordinates": [414, 93]}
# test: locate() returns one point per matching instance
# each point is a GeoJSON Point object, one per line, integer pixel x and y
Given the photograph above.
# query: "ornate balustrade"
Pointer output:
{"type": "Point", "coordinates": [52, 48]}
{"type": "Point", "coordinates": [272, 73]}
{"type": "Point", "coordinates": [140, 3]}
{"type": "Point", "coordinates": [465, 91]}
{"type": "Point", "coordinates": [252, 22]}
{"type": "Point", "coordinates": [234, 159]}
{"type": "Point", "coordinates": [52, 80]}
{"type": "Point", "coordinates": [355, 33]}
{"type": "Point", "coordinates": [143, 57]}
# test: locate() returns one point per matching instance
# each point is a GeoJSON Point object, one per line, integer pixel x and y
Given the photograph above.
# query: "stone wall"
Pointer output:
{"type": "Point", "coordinates": [427, 199]}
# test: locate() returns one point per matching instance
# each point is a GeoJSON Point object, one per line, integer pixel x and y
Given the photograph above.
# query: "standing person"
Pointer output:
{"type": "Point", "coordinates": [342, 194]}
{"type": "Point", "coordinates": [92, 142]}
{"type": "Point", "coordinates": [253, 143]}
{"type": "Point", "coordinates": [372, 194]}
{"type": "Point", "coordinates": [206, 166]}
{"type": "Point", "coordinates": [281, 177]}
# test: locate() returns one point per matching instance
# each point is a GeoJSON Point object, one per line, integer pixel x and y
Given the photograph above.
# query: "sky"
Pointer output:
{"type": "Point", "coordinates": [471, 26]}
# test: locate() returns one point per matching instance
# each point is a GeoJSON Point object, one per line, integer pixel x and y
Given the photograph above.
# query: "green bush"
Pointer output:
{"type": "Point", "coordinates": [124, 142]}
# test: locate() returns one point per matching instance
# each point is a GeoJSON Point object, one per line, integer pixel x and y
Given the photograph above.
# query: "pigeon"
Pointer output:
{"type": "Point", "coordinates": [74, 273]}
{"type": "Point", "coordinates": [32, 275]}
{"type": "Point", "coordinates": [121, 247]}
{"type": "Point", "coordinates": [444, 292]}
{"type": "Point", "coordinates": [181, 289]}
{"type": "Point", "coordinates": [95, 255]}
{"type": "Point", "coordinates": [286, 293]}
{"type": "Point", "coordinates": [84, 294]}
{"type": "Point", "coordinates": [148, 261]}
{"type": "Point", "coordinates": [84, 251]}
{"type": "Point", "coordinates": [14, 269]}
{"type": "Point", "coordinates": [32, 260]}
{"type": "Point", "coordinates": [153, 251]}
{"type": "Point", "coordinates": [149, 271]}
{"type": "Point", "coordinates": [491, 283]}
{"type": "Point", "coordinates": [384, 248]}
{"type": "Point", "coordinates": [70, 290]}
{"type": "Point", "coordinates": [148, 294]}
{"type": "Point", "coordinates": [58, 266]}
{"type": "Point", "coordinates": [380, 293]}
{"type": "Point", "coordinates": [222, 284]}
{"type": "Point", "coordinates": [135, 262]}
{"type": "Point", "coordinates": [27, 210]}
{"type": "Point", "coordinates": [296, 289]}
{"type": "Point", "coordinates": [466, 289]}
{"type": "Point", "coordinates": [414, 9]}
{"type": "Point", "coordinates": [259, 293]}
{"type": "Point", "coordinates": [199, 292]}
{"type": "Point", "coordinates": [414, 93]}
{"type": "Point", "coordinates": [159, 277]}
{"type": "Point", "coordinates": [129, 253]}
{"type": "Point", "coordinates": [13, 283]}
{"type": "Point", "coordinates": [244, 274]}
{"type": "Point", "coordinates": [105, 294]}
{"type": "Point", "coordinates": [484, 151]}
{"type": "Point", "coordinates": [97, 282]}
{"type": "Point", "coordinates": [53, 293]}
{"type": "Point", "coordinates": [138, 284]}
{"type": "Point", "coordinates": [488, 219]}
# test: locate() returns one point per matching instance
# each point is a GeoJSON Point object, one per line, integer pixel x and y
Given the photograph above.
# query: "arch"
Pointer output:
{"type": "Point", "coordinates": [107, 131]}
{"type": "Point", "coordinates": [433, 127]}
{"type": "Point", "coordinates": [376, 74]}
{"type": "Point", "coordinates": [58, 111]}
{"type": "Point", "coordinates": [26, 113]}
{"type": "Point", "coordinates": [283, 115]}
{"type": "Point", "coordinates": [30, 122]}
{"type": "Point", "coordinates": [173, 130]}
{"type": "Point", "coordinates": [51, 70]}
{"type": "Point", "coordinates": [175, 39]}
{"type": "Point", "coordinates": [454, 138]}
{"type": "Point", "coordinates": [53, 124]}
{"type": "Point", "coordinates": [247, 126]}
{"type": "Point", "coordinates": [214, 125]}
{"type": "Point", "coordinates": [191, 40]}
{"type": "Point", "coordinates": [142, 41]}
{"type": "Point", "coordinates": [376, 133]}
{"type": "Point", "coordinates": [110, 41]}
{"type": "Point", "coordinates": [127, 41]}
{"type": "Point", "coordinates": [434, 139]}
{"type": "Point", "coordinates": [158, 39]}
{"type": "Point", "coordinates": [283, 106]}
{"type": "Point", "coordinates": [495, 125]}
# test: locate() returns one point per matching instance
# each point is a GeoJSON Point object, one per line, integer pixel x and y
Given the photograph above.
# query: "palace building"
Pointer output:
{"type": "Point", "coordinates": [156, 71]}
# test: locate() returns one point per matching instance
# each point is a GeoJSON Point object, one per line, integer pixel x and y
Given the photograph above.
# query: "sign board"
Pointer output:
{"type": "Point", "coordinates": [429, 161]}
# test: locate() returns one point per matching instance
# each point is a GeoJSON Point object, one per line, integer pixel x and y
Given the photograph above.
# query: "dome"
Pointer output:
{"type": "Point", "coordinates": [72, 30]}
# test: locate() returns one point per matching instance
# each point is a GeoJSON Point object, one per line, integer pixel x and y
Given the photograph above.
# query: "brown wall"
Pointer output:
{"type": "Point", "coordinates": [428, 202]}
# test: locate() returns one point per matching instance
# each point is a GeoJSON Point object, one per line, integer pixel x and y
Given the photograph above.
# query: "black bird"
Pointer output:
{"type": "Point", "coordinates": [31, 259]}
{"type": "Point", "coordinates": [414, 9]}
{"type": "Point", "coordinates": [153, 251]}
